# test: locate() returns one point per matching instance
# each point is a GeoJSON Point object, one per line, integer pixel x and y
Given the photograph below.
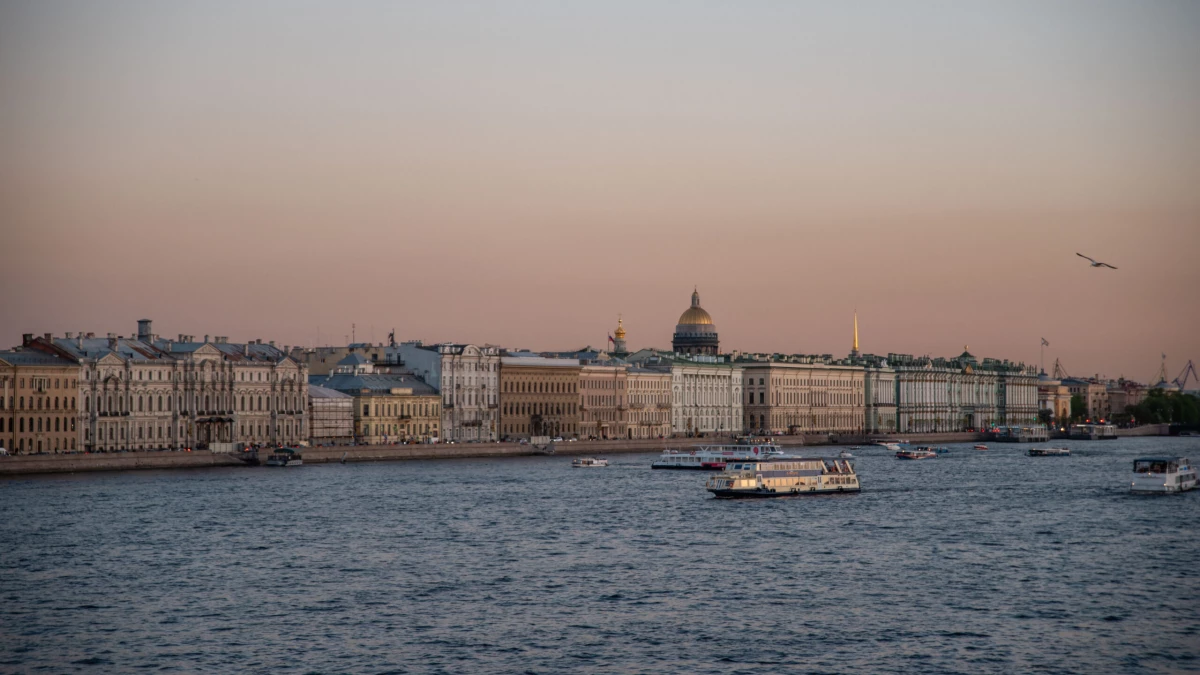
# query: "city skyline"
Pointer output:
{"type": "Point", "coordinates": [522, 176]}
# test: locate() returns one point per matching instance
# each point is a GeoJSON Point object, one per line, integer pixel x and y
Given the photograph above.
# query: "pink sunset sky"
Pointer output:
{"type": "Point", "coordinates": [521, 173]}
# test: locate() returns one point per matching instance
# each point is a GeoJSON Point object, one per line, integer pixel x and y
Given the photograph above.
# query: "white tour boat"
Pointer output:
{"type": "Point", "coordinates": [1162, 475]}
{"type": "Point", "coordinates": [781, 477]}
{"type": "Point", "coordinates": [1049, 452]}
{"type": "Point", "coordinates": [715, 457]}
{"type": "Point", "coordinates": [588, 463]}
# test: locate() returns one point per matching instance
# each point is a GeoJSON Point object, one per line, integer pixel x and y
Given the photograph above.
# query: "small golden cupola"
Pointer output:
{"type": "Point", "coordinates": [619, 337]}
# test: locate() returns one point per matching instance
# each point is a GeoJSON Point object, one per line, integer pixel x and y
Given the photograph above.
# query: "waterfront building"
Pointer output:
{"type": "Point", "coordinates": [1054, 400]}
{"type": "Point", "coordinates": [879, 392]}
{"type": "Point", "coordinates": [149, 392]}
{"type": "Point", "coordinates": [539, 396]}
{"type": "Point", "coordinates": [960, 394]}
{"type": "Point", "coordinates": [1094, 394]}
{"type": "Point", "coordinates": [706, 390]}
{"type": "Point", "coordinates": [794, 394]}
{"type": "Point", "coordinates": [603, 399]}
{"type": "Point", "coordinates": [648, 392]}
{"type": "Point", "coordinates": [1124, 394]}
{"type": "Point", "coordinates": [330, 416]}
{"type": "Point", "coordinates": [468, 377]}
{"type": "Point", "coordinates": [388, 407]}
{"type": "Point", "coordinates": [39, 401]}
{"type": "Point", "coordinates": [696, 333]}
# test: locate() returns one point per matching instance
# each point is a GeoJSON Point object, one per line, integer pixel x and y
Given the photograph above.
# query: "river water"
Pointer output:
{"type": "Point", "coordinates": [976, 562]}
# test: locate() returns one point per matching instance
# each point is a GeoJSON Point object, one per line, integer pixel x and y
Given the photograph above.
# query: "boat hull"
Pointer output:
{"type": "Point", "coordinates": [721, 493]}
{"type": "Point", "coordinates": [285, 462]}
{"type": "Point", "coordinates": [678, 467]}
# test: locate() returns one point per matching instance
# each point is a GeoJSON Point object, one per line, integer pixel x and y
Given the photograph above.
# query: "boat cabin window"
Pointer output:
{"type": "Point", "coordinates": [1153, 466]}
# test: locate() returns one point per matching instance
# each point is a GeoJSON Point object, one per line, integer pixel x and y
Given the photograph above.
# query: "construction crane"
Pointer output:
{"type": "Point", "coordinates": [1188, 370]}
{"type": "Point", "coordinates": [1060, 373]}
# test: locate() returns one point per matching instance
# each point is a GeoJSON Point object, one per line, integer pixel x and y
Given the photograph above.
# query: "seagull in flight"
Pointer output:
{"type": "Point", "coordinates": [1094, 263]}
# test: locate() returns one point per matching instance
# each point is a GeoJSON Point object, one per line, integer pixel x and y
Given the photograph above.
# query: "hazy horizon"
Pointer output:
{"type": "Point", "coordinates": [521, 174]}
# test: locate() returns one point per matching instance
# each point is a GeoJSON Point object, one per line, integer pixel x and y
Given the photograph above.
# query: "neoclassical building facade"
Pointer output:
{"type": "Point", "coordinates": [39, 399]}
{"type": "Point", "coordinates": [539, 396]}
{"type": "Point", "coordinates": [148, 393]}
{"type": "Point", "coordinates": [649, 396]}
{"type": "Point", "coordinates": [794, 394]}
{"type": "Point", "coordinates": [706, 391]}
{"type": "Point", "coordinates": [959, 394]}
{"type": "Point", "coordinates": [468, 378]}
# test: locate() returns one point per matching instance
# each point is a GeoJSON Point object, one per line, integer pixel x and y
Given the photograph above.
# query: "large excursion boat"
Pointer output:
{"type": "Point", "coordinates": [919, 453]}
{"type": "Point", "coordinates": [783, 476]}
{"type": "Point", "coordinates": [1162, 475]}
{"type": "Point", "coordinates": [715, 457]}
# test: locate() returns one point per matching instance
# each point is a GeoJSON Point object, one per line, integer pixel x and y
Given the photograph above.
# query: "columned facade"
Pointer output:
{"type": "Point", "coordinates": [802, 394]}
{"type": "Point", "coordinates": [539, 397]}
{"type": "Point", "coordinates": [468, 377]}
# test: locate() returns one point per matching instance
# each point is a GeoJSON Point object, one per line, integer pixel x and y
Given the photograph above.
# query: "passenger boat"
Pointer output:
{"type": "Point", "coordinates": [1162, 475]}
{"type": "Point", "coordinates": [893, 446]}
{"type": "Point", "coordinates": [781, 477]}
{"type": "Point", "coordinates": [981, 446]}
{"type": "Point", "coordinates": [935, 449]}
{"type": "Point", "coordinates": [285, 457]}
{"type": "Point", "coordinates": [919, 453]}
{"type": "Point", "coordinates": [714, 457]}
{"type": "Point", "coordinates": [1049, 452]}
{"type": "Point", "coordinates": [588, 462]}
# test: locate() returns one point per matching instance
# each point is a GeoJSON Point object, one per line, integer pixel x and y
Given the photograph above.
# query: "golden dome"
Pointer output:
{"type": "Point", "coordinates": [620, 332]}
{"type": "Point", "coordinates": [695, 316]}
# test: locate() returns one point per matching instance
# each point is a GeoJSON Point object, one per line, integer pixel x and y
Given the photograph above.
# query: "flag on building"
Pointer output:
{"type": "Point", "coordinates": [1045, 343]}
{"type": "Point", "coordinates": [610, 339]}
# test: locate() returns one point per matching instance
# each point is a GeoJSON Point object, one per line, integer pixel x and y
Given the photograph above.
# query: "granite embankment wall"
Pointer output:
{"type": "Point", "coordinates": [126, 461]}
{"type": "Point", "coordinates": [1146, 430]}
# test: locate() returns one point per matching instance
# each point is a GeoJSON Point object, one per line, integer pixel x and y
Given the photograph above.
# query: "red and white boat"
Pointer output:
{"type": "Point", "coordinates": [981, 446]}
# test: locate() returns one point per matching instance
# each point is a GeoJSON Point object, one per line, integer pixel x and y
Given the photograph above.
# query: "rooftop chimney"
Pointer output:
{"type": "Point", "coordinates": [272, 343]}
{"type": "Point", "coordinates": [206, 338]}
{"type": "Point", "coordinates": [91, 336]}
{"type": "Point", "coordinates": [143, 334]}
{"type": "Point", "coordinates": [48, 336]}
{"type": "Point", "coordinates": [68, 335]}
{"type": "Point", "coordinates": [26, 338]}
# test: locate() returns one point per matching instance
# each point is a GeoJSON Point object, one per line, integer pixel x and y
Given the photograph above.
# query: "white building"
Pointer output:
{"type": "Point", "coordinates": [468, 377]}
{"type": "Point", "coordinates": [152, 393]}
{"type": "Point", "coordinates": [961, 393]}
{"type": "Point", "coordinates": [706, 391]}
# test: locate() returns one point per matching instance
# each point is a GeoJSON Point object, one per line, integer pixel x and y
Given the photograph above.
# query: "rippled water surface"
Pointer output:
{"type": "Point", "coordinates": [976, 562]}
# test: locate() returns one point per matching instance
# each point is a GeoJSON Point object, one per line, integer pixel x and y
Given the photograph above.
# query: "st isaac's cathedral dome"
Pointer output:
{"type": "Point", "coordinates": [695, 333]}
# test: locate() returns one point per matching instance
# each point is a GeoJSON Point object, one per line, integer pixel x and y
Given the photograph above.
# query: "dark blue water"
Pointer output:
{"type": "Point", "coordinates": [977, 562]}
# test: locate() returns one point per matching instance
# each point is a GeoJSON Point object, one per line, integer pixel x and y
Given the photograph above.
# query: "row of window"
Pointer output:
{"type": "Point", "coordinates": [538, 408]}
{"type": "Point", "coordinates": [40, 401]}
{"type": "Point", "coordinates": [539, 387]}
{"type": "Point", "coordinates": [35, 425]}
{"type": "Point", "coordinates": [146, 403]}
{"type": "Point", "coordinates": [394, 409]}
{"type": "Point", "coordinates": [178, 376]}
{"type": "Point", "coordinates": [39, 383]}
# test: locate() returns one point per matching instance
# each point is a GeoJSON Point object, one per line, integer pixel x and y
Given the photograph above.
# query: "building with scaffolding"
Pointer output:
{"type": "Point", "coordinates": [330, 416]}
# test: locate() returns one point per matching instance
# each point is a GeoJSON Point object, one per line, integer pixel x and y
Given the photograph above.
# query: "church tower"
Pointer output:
{"type": "Point", "coordinates": [619, 338]}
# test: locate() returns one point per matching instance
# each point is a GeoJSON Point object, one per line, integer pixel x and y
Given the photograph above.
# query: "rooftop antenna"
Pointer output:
{"type": "Point", "coordinates": [353, 333]}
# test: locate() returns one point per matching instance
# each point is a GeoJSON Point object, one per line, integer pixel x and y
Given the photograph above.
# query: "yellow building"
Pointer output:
{"type": "Point", "coordinates": [538, 396]}
{"type": "Point", "coordinates": [388, 407]}
{"type": "Point", "coordinates": [39, 406]}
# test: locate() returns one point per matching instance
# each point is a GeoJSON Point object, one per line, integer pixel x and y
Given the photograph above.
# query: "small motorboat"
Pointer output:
{"type": "Point", "coordinates": [285, 457]}
{"type": "Point", "coordinates": [1049, 452]}
{"type": "Point", "coordinates": [588, 463]}
{"type": "Point", "coordinates": [845, 454]}
{"type": "Point", "coordinates": [981, 446]}
{"type": "Point", "coordinates": [918, 453]}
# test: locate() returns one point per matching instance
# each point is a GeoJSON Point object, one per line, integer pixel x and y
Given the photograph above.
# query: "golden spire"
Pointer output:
{"type": "Point", "coordinates": [620, 332]}
{"type": "Point", "coordinates": [856, 331]}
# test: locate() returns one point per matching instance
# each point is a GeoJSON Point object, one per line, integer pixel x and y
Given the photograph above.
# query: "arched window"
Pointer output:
{"type": "Point", "coordinates": [260, 407]}
{"type": "Point", "coordinates": [141, 400]}
{"type": "Point", "coordinates": [206, 403]}
{"type": "Point", "coordinates": [39, 424]}
{"type": "Point", "coordinates": [160, 404]}
{"type": "Point", "coordinates": [56, 428]}
{"type": "Point", "coordinates": [168, 403]}
{"type": "Point", "coordinates": [21, 423]}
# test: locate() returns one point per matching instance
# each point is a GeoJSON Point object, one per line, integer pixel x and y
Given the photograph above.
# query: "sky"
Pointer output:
{"type": "Point", "coordinates": [522, 173]}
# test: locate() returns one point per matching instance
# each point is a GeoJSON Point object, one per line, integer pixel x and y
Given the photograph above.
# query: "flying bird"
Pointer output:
{"type": "Point", "coordinates": [1094, 263]}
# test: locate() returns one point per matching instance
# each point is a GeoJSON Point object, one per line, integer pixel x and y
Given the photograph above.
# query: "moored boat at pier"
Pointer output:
{"type": "Point", "coordinates": [782, 477]}
{"type": "Point", "coordinates": [285, 457]}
